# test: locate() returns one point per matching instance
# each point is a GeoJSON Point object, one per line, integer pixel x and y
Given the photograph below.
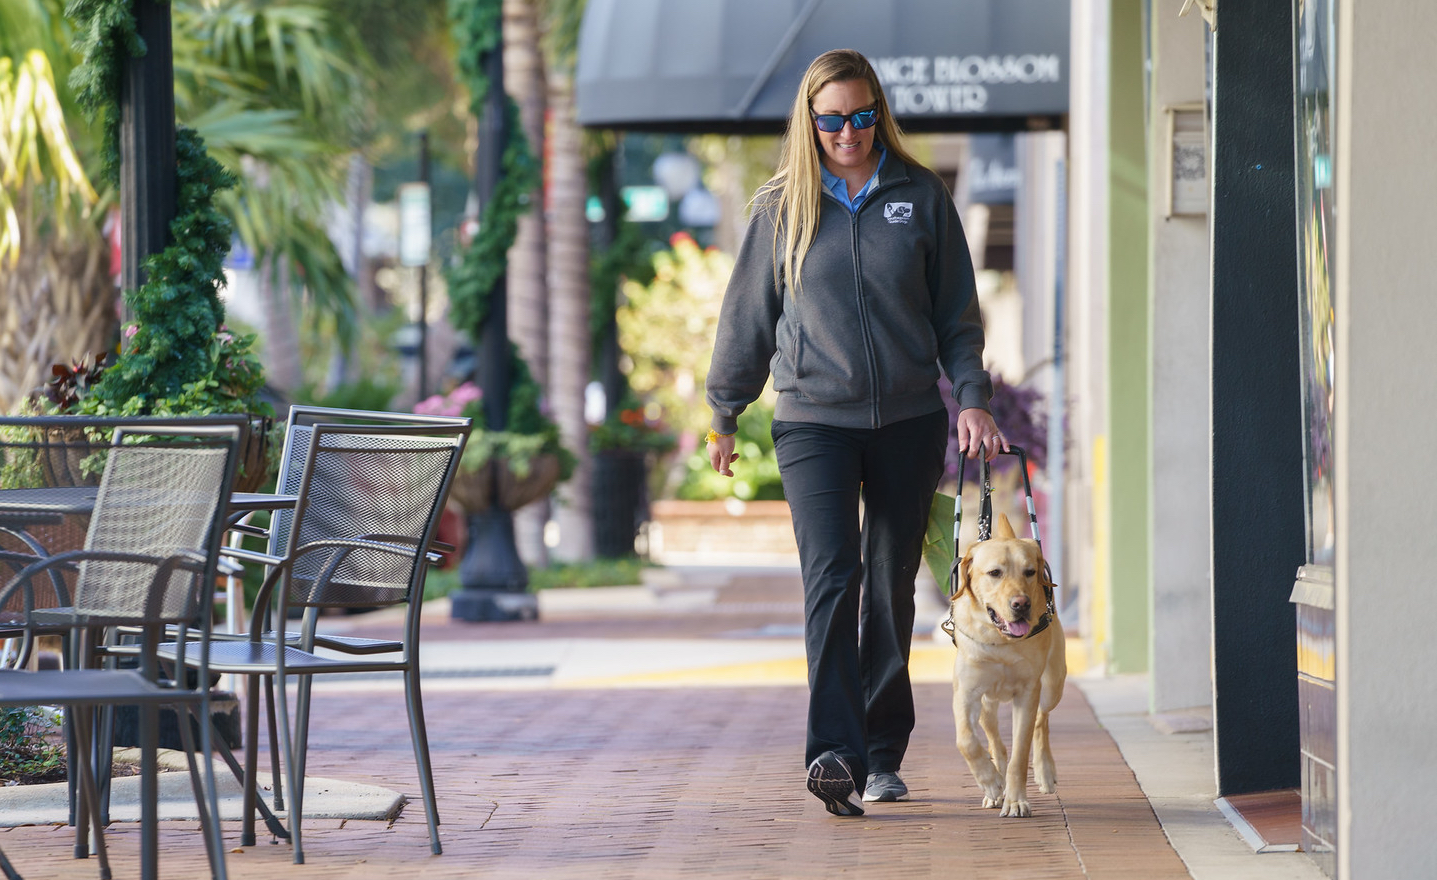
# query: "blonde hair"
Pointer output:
{"type": "Point", "coordinates": [793, 195]}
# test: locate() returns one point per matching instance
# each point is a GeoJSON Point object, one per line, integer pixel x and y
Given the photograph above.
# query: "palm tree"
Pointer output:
{"type": "Point", "coordinates": [54, 269]}
{"type": "Point", "coordinates": [569, 277]}
{"type": "Point", "coordinates": [276, 91]}
{"type": "Point", "coordinates": [266, 84]}
{"type": "Point", "coordinates": [528, 296]}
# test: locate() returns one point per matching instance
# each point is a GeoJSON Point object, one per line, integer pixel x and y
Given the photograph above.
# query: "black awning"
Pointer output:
{"type": "Point", "coordinates": [734, 65]}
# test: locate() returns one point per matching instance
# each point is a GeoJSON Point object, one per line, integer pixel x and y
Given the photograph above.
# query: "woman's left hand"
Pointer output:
{"type": "Point", "coordinates": [978, 433]}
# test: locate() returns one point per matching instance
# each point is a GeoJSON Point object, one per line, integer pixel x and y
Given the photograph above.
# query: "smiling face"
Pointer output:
{"type": "Point", "coordinates": [847, 152]}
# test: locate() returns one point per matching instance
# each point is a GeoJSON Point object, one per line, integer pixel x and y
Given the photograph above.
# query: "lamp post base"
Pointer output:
{"type": "Point", "coordinates": [494, 581]}
{"type": "Point", "coordinates": [493, 605]}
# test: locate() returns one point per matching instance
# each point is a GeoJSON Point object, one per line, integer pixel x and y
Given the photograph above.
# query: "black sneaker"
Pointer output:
{"type": "Point", "coordinates": [885, 787]}
{"type": "Point", "coordinates": [831, 781]}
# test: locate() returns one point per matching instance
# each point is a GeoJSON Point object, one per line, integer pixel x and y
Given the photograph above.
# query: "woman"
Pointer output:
{"type": "Point", "coordinates": [852, 285]}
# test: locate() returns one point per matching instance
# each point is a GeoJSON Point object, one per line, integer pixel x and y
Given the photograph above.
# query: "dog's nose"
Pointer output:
{"type": "Point", "coordinates": [1020, 605]}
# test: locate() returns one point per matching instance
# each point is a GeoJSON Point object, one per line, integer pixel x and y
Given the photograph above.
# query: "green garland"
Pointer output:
{"type": "Point", "coordinates": [177, 310]}
{"type": "Point", "coordinates": [627, 257]}
{"type": "Point", "coordinates": [476, 28]}
{"type": "Point", "coordinates": [104, 37]}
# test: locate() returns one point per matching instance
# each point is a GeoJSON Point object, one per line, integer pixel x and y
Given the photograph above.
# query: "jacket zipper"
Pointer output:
{"type": "Point", "coordinates": [872, 357]}
{"type": "Point", "coordinates": [863, 319]}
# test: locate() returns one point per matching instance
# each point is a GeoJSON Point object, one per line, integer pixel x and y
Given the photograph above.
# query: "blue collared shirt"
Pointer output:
{"type": "Point", "coordinates": [839, 187]}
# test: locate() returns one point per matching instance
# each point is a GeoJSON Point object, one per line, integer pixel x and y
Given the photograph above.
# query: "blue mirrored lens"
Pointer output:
{"type": "Point", "coordinates": [831, 122]}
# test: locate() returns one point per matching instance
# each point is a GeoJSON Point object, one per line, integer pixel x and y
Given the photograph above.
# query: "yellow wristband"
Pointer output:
{"type": "Point", "coordinates": [712, 436]}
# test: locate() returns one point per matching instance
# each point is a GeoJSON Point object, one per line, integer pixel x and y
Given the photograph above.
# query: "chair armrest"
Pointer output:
{"type": "Point", "coordinates": [436, 546]}
{"type": "Point", "coordinates": [247, 529]}
{"type": "Point", "coordinates": [251, 556]}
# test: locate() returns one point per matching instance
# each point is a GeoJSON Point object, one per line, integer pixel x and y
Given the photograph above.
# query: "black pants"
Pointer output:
{"type": "Point", "coordinates": [860, 698]}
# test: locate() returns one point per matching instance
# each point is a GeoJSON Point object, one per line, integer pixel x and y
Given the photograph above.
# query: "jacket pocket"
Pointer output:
{"type": "Point", "coordinates": [784, 365]}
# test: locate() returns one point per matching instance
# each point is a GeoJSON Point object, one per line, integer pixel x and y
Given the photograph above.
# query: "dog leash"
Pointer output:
{"type": "Point", "coordinates": [985, 531]}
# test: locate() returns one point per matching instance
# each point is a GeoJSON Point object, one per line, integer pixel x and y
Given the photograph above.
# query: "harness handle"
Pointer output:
{"type": "Point", "coordinates": [985, 531]}
{"type": "Point", "coordinates": [985, 509]}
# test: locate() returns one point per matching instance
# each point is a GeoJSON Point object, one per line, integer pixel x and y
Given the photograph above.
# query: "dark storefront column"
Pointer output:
{"type": "Point", "coordinates": [1258, 529]}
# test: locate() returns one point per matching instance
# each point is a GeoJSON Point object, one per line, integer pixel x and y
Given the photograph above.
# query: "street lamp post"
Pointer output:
{"type": "Point", "coordinates": [147, 144]}
{"type": "Point", "coordinates": [494, 582]}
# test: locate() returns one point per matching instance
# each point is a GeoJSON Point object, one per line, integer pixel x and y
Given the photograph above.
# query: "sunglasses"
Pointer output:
{"type": "Point", "coordinates": [831, 122]}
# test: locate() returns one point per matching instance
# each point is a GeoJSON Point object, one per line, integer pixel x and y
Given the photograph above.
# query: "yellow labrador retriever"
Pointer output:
{"type": "Point", "coordinates": [1010, 648]}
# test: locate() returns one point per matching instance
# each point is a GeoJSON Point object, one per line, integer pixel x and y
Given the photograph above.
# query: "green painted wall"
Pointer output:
{"type": "Point", "coordinates": [1128, 333]}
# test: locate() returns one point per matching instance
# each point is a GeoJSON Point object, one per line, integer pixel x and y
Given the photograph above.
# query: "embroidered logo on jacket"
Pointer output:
{"type": "Point", "coordinates": [898, 212]}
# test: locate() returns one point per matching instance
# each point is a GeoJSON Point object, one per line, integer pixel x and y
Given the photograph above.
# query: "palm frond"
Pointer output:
{"type": "Point", "coordinates": [228, 127]}
{"type": "Point", "coordinates": [35, 146]}
{"type": "Point", "coordinates": [297, 50]}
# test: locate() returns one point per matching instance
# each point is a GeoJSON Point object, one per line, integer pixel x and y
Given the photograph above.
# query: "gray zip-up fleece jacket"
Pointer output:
{"type": "Point", "coordinates": [888, 295]}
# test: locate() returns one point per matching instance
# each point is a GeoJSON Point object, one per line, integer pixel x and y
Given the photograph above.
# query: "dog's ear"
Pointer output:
{"type": "Point", "coordinates": [965, 573]}
{"type": "Point", "coordinates": [1002, 528]}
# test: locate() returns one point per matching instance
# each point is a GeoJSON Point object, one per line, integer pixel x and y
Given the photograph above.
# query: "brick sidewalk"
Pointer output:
{"type": "Point", "coordinates": [662, 783]}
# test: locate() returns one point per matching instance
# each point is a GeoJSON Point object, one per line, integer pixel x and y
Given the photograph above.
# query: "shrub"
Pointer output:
{"type": "Point", "coordinates": [26, 753]}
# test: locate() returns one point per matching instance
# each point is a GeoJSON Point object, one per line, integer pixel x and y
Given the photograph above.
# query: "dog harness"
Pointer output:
{"type": "Point", "coordinates": [985, 531]}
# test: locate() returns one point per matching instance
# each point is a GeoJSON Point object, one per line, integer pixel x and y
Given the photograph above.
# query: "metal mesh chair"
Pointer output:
{"type": "Point", "coordinates": [148, 561]}
{"type": "Point", "coordinates": [299, 435]}
{"type": "Point", "coordinates": [370, 497]}
{"type": "Point", "coordinates": [299, 431]}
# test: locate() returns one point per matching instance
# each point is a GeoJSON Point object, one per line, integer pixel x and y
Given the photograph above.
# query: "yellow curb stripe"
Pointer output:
{"type": "Point", "coordinates": [789, 670]}
{"type": "Point", "coordinates": [926, 664]}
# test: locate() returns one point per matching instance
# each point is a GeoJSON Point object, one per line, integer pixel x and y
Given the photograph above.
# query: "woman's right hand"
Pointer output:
{"type": "Point", "coordinates": [721, 454]}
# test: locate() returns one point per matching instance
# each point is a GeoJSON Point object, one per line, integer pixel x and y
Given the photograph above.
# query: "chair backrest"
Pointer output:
{"type": "Point", "coordinates": [365, 490]}
{"type": "Point", "coordinates": [163, 495]}
{"type": "Point", "coordinates": [154, 493]}
{"type": "Point", "coordinates": [299, 433]}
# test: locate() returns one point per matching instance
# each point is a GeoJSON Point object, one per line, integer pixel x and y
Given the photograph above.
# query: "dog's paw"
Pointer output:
{"type": "Point", "coordinates": [992, 803]}
{"type": "Point", "coordinates": [1045, 771]}
{"type": "Point", "coordinates": [1016, 807]}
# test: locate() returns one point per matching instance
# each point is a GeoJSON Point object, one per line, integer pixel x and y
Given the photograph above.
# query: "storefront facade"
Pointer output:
{"type": "Point", "coordinates": [1320, 303]}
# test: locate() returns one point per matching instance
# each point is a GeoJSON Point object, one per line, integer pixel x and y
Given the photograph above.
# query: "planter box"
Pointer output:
{"type": "Point", "coordinates": [729, 530]}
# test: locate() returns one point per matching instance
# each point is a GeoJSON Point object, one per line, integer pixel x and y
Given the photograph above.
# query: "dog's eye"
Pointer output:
{"type": "Point", "coordinates": [1029, 572]}
{"type": "Point", "coordinates": [997, 572]}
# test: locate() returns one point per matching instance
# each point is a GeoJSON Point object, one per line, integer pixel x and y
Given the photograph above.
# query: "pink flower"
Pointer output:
{"type": "Point", "coordinates": [466, 394]}
{"type": "Point", "coordinates": [451, 404]}
{"type": "Point", "coordinates": [131, 330]}
{"type": "Point", "coordinates": [430, 406]}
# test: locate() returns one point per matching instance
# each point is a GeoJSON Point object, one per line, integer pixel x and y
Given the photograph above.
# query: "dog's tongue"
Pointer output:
{"type": "Point", "coordinates": [1019, 628]}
